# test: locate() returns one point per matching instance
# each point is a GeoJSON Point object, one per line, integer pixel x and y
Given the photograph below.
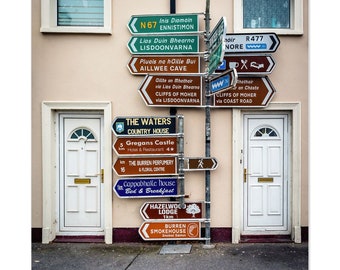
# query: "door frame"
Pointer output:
{"type": "Point", "coordinates": [294, 111]}
{"type": "Point", "coordinates": [61, 116]}
{"type": "Point", "coordinates": [285, 137]}
{"type": "Point", "coordinates": [50, 170]}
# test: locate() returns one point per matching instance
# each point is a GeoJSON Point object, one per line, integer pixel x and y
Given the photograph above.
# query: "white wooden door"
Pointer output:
{"type": "Point", "coordinates": [265, 173]}
{"type": "Point", "coordinates": [80, 189]}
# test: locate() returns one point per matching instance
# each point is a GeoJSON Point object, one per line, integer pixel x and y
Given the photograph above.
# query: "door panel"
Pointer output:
{"type": "Point", "coordinates": [80, 192]}
{"type": "Point", "coordinates": [265, 186]}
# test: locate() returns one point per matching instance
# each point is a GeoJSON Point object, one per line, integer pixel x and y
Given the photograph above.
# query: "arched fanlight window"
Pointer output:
{"type": "Point", "coordinates": [265, 132]}
{"type": "Point", "coordinates": [82, 133]}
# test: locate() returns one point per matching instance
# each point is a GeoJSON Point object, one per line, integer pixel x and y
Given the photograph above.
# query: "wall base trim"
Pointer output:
{"type": "Point", "coordinates": [130, 235]}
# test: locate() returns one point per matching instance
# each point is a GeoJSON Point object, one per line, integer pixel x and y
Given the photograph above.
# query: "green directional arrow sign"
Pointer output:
{"type": "Point", "coordinates": [217, 44]}
{"type": "Point", "coordinates": [163, 24]}
{"type": "Point", "coordinates": [216, 57]}
{"type": "Point", "coordinates": [172, 44]}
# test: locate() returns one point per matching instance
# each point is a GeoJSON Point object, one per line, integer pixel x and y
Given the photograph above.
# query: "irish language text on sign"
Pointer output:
{"type": "Point", "coordinates": [163, 24]}
{"type": "Point", "coordinates": [248, 43]}
{"type": "Point", "coordinates": [167, 90]}
{"type": "Point", "coordinates": [147, 64]}
{"type": "Point", "coordinates": [249, 92]}
{"type": "Point", "coordinates": [146, 187]}
{"type": "Point", "coordinates": [146, 166]}
{"type": "Point", "coordinates": [170, 230]}
{"type": "Point", "coordinates": [149, 125]}
{"type": "Point", "coordinates": [145, 145]}
{"type": "Point", "coordinates": [171, 210]}
{"type": "Point", "coordinates": [163, 44]}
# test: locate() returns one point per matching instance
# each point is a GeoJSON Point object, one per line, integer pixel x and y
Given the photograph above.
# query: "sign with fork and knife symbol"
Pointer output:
{"type": "Point", "coordinates": [249, 65]}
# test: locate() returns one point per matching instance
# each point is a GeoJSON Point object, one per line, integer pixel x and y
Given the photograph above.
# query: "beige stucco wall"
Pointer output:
{"type": "Point", "coordinates": [90, 67]}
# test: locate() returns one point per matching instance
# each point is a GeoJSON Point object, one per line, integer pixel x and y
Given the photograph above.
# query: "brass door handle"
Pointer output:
{"type": "Point", "coordinates": [245, 175]}
{"type": "Point", "coordinates": [101, 175]}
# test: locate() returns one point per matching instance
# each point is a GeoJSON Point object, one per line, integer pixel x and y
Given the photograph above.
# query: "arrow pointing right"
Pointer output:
{"type": "Point", "coordinates": [274, 43]}
{"type": "Point", "coordinates": [249, 92]}
{"type": "Point", "coordinates": [201, 163]}
{"type": "Point", "coordinates": [251, 42]}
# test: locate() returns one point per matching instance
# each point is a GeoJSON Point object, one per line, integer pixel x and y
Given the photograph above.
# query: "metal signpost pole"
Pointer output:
{"type": "Point", "coordinates": [173, 110]}
{"type": "Point", "coordinates": [207, 135]}
{"type": "Point", "coordinates": [181, 159]}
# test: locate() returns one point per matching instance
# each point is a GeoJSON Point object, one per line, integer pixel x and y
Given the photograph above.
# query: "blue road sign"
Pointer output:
{"type": "Point", "coordinates": [223, 82]}
{"type": "Point", "coordinates": [146, 187]}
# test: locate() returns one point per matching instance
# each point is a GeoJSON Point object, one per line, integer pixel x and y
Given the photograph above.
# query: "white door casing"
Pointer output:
{"type": "Point", "coordinates": [265, 160]}
{"type": "Point", "coordinates": [80, 181]}
{"type": "Point", "coordinates": [293, 109]}
{"type": "Point", "coordinates": [50, 162]}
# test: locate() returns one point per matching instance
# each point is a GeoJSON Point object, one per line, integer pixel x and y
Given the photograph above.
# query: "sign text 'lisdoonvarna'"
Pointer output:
{"type": "Point", "coordinates": [140, 126]}
{"type": "Point", "coordinates": [172, 44]}
{"type": "Point", "coordinates": [172, 90]}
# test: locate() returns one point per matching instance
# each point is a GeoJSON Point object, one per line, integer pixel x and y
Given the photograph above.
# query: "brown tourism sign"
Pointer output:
{"type": "Point", "coordinates": [171, 210]}
{"type": "Point", "coordinates": [172, 90]}
{"type": "Point", "coordinates": [144, 64]}
{"type": "Point", "coordinates": [205, 163]}
{"type": "Point", "coordinates": [248, 92]}
{"type": "Point", "coordinates": [145, 145]}
{"type": "Point", "coordinates": [246, 65]}
{"type": "Point", "coordinates": [170, 230]}
{"type": "Point", "coordinates": [130, 166]}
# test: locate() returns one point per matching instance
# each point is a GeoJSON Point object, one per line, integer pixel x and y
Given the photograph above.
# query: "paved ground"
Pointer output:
{"type": "Point", "coordinates": [135, 256]}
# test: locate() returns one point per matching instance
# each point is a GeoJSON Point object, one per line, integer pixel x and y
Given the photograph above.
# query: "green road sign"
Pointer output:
{"type": "Point", "coordinates": [171, 44]}
{"type": "Point", "coordinates": [217, 44]}
{"type": "Point", "coordinates": [216, 57]}
{"type": "Point", "coordinates": [163, 24]}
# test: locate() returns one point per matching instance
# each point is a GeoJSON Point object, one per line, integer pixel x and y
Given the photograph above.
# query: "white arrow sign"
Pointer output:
{"type": "Point", "coordinates": [249, 43]}
{"type": "Point", "coordinates": [144, 230]}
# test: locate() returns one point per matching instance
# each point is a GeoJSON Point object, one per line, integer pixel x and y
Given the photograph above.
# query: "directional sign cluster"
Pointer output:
{"type": "Point", "coordinates": [171, 221]}
{"type": "Point", "coordinates": [248, 54]}
{"type": "Point", "coordinates": [147, 149]}
{"type": "Point", "coordinates": [148, 156]}
{"type": "Point", "coordinates": [167, 45]}
{"type": "Point", "coordinates": [146, 146]}
{"type": "Point", "coordinates": [151, 162]}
